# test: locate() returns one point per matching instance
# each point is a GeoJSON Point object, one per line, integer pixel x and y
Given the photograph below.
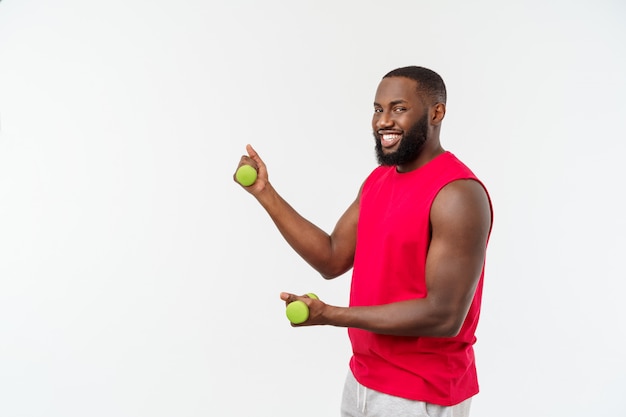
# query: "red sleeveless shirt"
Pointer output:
{"type": "Point", "coordinates": [389, 266]}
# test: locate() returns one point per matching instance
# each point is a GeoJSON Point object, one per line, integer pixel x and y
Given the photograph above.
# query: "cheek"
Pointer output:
{"type": "Point", "coordinates": [374, 129]}
{"type": "Point", "coordinates": [408, 123]}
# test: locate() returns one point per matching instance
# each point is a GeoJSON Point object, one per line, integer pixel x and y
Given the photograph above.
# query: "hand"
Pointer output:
{"type": "Point", "coordinates": [314, 305]}
{"type": "Point", "coordinates": [257, 163]}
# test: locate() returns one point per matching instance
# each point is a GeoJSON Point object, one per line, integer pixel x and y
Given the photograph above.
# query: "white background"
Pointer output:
{"type": "Point", "coordinates": [137, 279]}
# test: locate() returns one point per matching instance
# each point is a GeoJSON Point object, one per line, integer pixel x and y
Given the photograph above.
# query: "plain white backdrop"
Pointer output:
{"type": "Point", "coordinates": [137, 279]}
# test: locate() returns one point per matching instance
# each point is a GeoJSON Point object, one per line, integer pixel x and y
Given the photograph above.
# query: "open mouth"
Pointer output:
{"type": "Point", "coordinates": [389, 139]}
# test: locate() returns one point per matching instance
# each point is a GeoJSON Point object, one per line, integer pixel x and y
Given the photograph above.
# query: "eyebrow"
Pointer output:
{"type": "Point", "coordinates": [393, 103]}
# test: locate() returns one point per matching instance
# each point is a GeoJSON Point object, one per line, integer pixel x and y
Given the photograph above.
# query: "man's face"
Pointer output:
{"type": "Point", "coordinates": [400, 121]}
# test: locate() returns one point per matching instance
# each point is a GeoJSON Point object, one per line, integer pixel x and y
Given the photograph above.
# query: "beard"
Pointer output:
{"type": "Point", "coordinates": [410, 146]}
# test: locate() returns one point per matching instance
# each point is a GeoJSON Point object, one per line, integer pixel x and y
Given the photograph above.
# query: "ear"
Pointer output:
{"type": "Point", "coordinates": [437, 113]}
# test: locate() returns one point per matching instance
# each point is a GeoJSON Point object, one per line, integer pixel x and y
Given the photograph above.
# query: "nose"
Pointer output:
{"type": "Point", "coordinates": [383, 120]}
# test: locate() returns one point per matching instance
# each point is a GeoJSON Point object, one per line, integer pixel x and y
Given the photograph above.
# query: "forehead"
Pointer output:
{"type": "Point", "coordinates": [396, 89]}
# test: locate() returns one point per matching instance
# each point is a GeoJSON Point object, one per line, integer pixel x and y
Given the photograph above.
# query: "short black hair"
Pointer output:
{"type": "Point", "coordinates": [429, 83]}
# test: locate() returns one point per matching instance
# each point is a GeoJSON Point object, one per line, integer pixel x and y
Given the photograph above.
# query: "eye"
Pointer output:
{"type": "Point", "coordinates": [399, 109]}
{"type": "Point", "coordinates": [378, 110]}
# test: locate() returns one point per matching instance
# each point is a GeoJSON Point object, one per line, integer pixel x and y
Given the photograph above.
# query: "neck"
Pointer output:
{"type": "Point", "coordinates": [427, 155]}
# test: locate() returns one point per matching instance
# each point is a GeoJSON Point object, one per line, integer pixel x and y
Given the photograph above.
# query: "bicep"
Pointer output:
{"type": "Point", "coordinates": [460, 224]}
{"type": "Point", "coordinates": [343, 239]}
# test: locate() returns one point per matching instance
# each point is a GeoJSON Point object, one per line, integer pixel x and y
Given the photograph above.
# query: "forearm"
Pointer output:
{"type": "Point", "coordinates": [413, 318]}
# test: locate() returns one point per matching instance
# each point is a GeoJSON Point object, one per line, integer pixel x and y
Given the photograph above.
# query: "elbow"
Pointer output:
{"type": "Point", "coordinates": [329, 272]}
{"type": "Point", "coordinates": [449, 326]}
{"type": "Point", "coordinates": [447, 318]}
{"type": "Point", "coordinates": [450, 330]}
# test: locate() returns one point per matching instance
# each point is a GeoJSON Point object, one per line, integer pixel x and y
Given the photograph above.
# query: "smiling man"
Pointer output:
{"type": "Point", "coordinates": [415, 238]}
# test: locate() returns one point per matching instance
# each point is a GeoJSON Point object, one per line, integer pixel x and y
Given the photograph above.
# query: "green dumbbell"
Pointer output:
{"type": "Point", "coordinates": [298, 311]}
{"type": "Point", "coordinates": [246, 175]}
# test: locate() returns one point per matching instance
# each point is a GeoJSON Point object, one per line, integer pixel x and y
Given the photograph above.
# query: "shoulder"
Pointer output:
{"type": "Point", "coordinates": [462, 201]}
{"type": "Point", "coordinates": [379, 171]}
{"type": "Point", "coordinates": [377, 175]}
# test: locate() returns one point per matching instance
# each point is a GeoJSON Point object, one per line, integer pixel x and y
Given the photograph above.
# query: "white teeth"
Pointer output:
{"type": "Point", "coordinates": [389, 138]}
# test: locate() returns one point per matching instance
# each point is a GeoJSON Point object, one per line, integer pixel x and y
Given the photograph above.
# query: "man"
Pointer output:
{"type": "Point", "coordinates": [415, 237]}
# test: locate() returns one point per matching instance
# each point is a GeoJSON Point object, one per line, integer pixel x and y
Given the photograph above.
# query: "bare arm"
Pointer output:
{"type": "Point", "coordinates": [461, 220]}
{"type": "Point", "coordinates": [331, 255]}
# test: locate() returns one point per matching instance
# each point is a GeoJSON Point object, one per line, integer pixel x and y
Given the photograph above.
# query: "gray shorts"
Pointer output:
{"type": "Point", "coordinates": [359, 401]}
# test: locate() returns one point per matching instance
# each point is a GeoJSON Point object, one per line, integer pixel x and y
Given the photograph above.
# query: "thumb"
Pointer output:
{"type": "Point", "coordinates": [287, 297]}
{"type": "Point", "coordinates": [250, 150]}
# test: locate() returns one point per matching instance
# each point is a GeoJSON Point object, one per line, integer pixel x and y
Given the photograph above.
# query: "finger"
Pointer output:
{"type": "Point", "coordinates": [252, 153]}
{"type": "Point", "coordinates": [246, 160]}
{"type": "Point", "coordinates": [287, 297]}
